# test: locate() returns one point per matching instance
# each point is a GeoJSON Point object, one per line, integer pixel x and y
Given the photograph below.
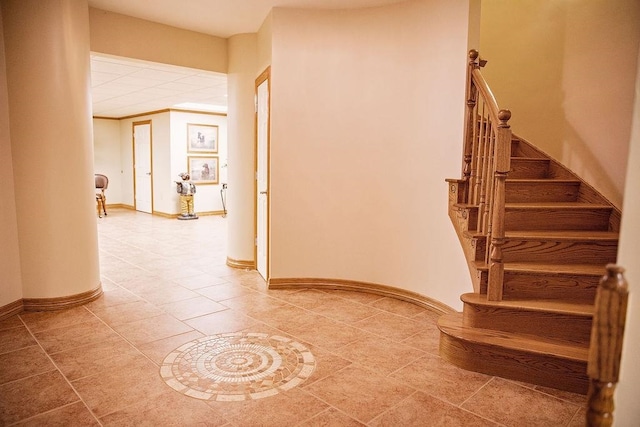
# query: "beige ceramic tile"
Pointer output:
{"type": "Point", "coordinates": [113, 297]}
{"type": "Point", "coordinates": [580, 418]}
{"type": "Point", "coordinates": [159, 349]}
{"type": "Point", "coordinates": [526, 406]}
{"type": "Point", "coordinates": [306, 298]}
{"type": "Point", "coordinates": [343, 310]}
{"type": "Point", "coordinates": [223, 291]}
{"type": "Point", "coordinates": [361, 297]}
{"type": "Point", "coordinates": [391, 326]}
{"type": "Point", "coordinates": [61, 339]}
{"type": "Point", "coordinates": [326, 333]}
{"type": "Point", "coordinates": [359, 393]}
{"type": "Point", "coordinates": [152, 329]}
{"type": "Point", "coordinates": [287, 317]}
{"type": "Point", "coordinates": [434, 376]}
{"type": "Point", "coordinates": [126, 313]}
{"type": "Point", "coordinates": [22, 363]}
{"type": "Point", "coordinates": [10, 322]}
{"type": "Point", "coordinates": [326, 364]}
{"type": "Point", "coordinates": [283, 409]}
{"type": "Point", "coordinates": [165, 294]}
{"type": "Point", "coordinates": [112, 353]}
{"type": "Point", "coordinates": [254, 304]}
{"type": "Point", "coordinates": [73, 415]}
{"type": "Point", "coordinates": [396, 306]}
{"type": "Point", "coordinates": [114, 390]}
{"type": "Point", "coordinates": [200, 280]}
{"type": "Point", "coordinates": [578, 399]}
{"type": "Point", "coordinates": [379, 354]}
{"type": "Point", "coordinates": [43, 320]}
{"type": "Point", "coordinates": [34, 395]}
{"type": "Point", "coordinates": [221, 322]}
{"type": "Point", "coordinates": [15, 338]}
{"type": "Point", "coordinates": [428, 339]}
{"type": "Point", "coordinates": [166, 409]}
{"type": "Point", "coordinates": [331, 418]}
{"type": "Point", "coordinates": [420, 407]}
{"type": "Point", "coordinates": [193, 307]}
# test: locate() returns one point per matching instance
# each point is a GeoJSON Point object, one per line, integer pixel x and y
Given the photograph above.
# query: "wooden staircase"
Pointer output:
{"type": "Point", "coordinates": [549, 244]}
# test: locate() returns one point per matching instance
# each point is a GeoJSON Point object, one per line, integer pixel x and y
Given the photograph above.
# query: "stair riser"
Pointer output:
{"type": "Point", "coordinates": [556, 219]}
{"type": "Point", "coordinates": [560, 326]}
{"type": "Point", "coordinates": [536, 286]}
{"type": "Point", "coordinates": [528, 168]}
{"type": "Point", "coordinates": [544, 370]}
{"type": "Point", "coordinates": [563, 252]}
{"type": "Point", "coordinates": [525, 192]}
{"type": "Point", "coordinates": [571, 288]}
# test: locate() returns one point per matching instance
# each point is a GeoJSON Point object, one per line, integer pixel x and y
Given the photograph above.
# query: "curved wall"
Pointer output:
{"type": "Point", "coordinates": [367, 115]}
{"type": "Point", "coordinates": [567, 72]}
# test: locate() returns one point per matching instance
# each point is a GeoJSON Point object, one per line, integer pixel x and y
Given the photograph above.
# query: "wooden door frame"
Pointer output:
{"type": "Point", "coordinates": [133, 164]}
{"type": "Point", "coordinates": [264, 76]}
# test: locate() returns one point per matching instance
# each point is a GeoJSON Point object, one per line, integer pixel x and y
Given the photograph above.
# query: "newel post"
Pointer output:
{"type": "Point", "coordinates": [605, 348]}
{"type": "Point", "coordinates": [502, 166]}
{"type": "Point", "coordinates": [472, 94]}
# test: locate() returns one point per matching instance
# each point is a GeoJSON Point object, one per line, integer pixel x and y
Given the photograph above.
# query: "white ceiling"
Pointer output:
{"type": "Point", "coordinates": [124, 87]}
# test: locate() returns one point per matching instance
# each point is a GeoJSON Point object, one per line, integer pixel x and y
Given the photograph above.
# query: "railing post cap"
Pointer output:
{"type": "Point", "coordinates": [473, 54]}
{"type": "Point", "coordinates": [504, 115]}
{"type": "Point", "coordinates": [614, 279]}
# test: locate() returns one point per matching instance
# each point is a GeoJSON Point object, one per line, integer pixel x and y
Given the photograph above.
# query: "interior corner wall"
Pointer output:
{"type": "Point", "coordinates": [566, 70]}
{"type": "Point", "coordinates": [264, 42]}
{"type": "Point", "coordinates": [10, 279]}
{"type": "Point", "coordinates": [123, 35]}
{"type": "Point", "coordinates": [627, 412]}
{"type": "Point", "coordinates": [367, 121]}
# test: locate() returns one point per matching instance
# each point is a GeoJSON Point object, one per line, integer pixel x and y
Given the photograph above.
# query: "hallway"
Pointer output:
{"type": "Point", "coordinates": [123, 359]}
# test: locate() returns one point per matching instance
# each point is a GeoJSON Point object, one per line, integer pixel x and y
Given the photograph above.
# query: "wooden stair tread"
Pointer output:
{"type": "Point", "coordinates": [554, 205]}
{"type": "Point", "coordinates": [515, 267]}
{"type": "Point", "coordinates": [582, 269]}
{"type": "Point", "coordinates": [452, 324]}
{"type": "Point", "coordinates": [563, 235]}
{"type": "Point", "coordinates": [577, 309]}
{"type": "Point", "coordinates": [543, 180]}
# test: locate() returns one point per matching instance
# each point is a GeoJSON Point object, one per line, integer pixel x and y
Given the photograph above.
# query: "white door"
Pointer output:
{"type": "Point", "coordinates": [262, 174]}
{"type": "Point", "coordinates": [142, 166]}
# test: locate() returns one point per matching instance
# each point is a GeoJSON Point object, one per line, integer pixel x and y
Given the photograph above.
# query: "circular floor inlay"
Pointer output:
{"type": "Point", "coordinates": [237, 366]}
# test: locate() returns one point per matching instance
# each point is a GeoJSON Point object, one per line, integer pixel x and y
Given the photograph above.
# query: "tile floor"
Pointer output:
{"type": "Point", "coordinates": [166, 284]}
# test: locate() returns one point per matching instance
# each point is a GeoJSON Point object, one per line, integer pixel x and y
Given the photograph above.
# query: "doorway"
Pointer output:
{"type": "Point", "coordinates": [262, 173]}
{"type": "Point", "coordinates": [142, 167]}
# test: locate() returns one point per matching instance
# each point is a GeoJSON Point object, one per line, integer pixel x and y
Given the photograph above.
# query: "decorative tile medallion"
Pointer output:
{"type": "Point", "coordinates": [237, 366]}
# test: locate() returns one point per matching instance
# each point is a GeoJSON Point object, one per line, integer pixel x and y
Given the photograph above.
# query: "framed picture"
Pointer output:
{"type": "Point", "coordinates": [203, 170]}
{"type": "Point", "coordinates": [202, 138]}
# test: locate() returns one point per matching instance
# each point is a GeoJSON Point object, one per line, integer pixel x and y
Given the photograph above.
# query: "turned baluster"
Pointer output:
{"type": "Point", "coordinates": [606, 346]}
{"type": "Point", "coordinates": [502, 162]}
{"type": "Point", "coordinates": [472, 93]}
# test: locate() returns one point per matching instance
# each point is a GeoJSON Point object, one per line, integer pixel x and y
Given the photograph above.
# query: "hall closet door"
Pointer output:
{"type": "Point", "coordinates": [142, 183]}
{"type": "Point", "coordinates": [262, 174]}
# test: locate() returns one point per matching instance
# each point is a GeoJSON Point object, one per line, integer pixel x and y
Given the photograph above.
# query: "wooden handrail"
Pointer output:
{"type": "Point", "coordinates": [487, 154]}
{"type": "Point", "coordinates": [605, 348]}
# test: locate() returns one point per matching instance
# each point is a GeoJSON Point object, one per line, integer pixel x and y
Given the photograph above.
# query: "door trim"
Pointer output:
{"type": "Point", "coordinates": [133, 164]}
{"type": "Point", "coordinates": [264, 76]}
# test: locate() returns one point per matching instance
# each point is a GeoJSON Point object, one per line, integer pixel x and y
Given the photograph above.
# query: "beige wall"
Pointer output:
{"type": "Point", "coordinates": [130, 37]}
{"type": "Point", "coordinates": [567, 72]}
{"type": "Point", "coordinates": [627, 409]}
{"type": "Point", "coordinates": [106, 156]}
{"type": "Point", "coordinates": [367, 113]}
{"type": "Point", "coordinates": [10, 278]}
{"type": "Point", "coordinates": [243, 70]}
